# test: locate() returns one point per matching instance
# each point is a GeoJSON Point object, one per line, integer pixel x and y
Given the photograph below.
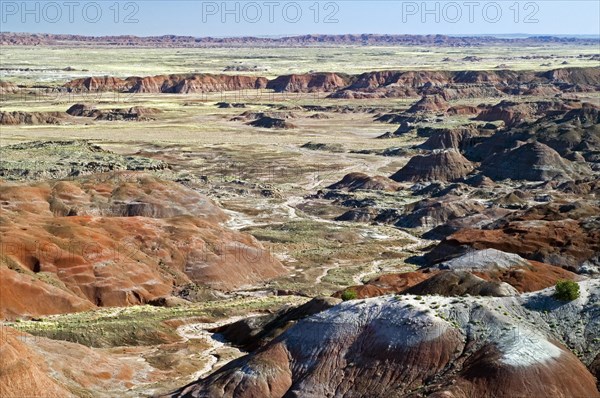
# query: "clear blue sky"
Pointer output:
{"type": "Point", "coordinates": [260, 18]}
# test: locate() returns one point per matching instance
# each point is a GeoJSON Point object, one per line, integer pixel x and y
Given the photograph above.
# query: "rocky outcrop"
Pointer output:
{"type": "Point", "coordinates": [360, 181]}
{"type": "Point", "coordinates": [561, 236]}
{"type": "Point", "coordinates": [442, 347]}
{"type": "Point", "coordinates": [116, 240]}
{"type": "Point", "coordinates": [38, 160]}
{"type": "Point", "coordinates": [138, 113]}
{"type": "Point", "coordinates": [268, 122]}
{"type": "Point", "coordinates": [254, 332]}
{"type": "Point", "coordinates": [441, 166]}
{"type": "Point", "coordinates": [430, 213]}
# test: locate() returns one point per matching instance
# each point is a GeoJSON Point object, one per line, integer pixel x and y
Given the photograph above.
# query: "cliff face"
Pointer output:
{"type": "Point", "coordinates": [184, 84]}
{"type": "Point", "coordinates": [309, 82]}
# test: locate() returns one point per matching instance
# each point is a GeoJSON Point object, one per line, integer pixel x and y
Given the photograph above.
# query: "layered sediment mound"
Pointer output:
{"type": "Point", "coordinates": [573, 134]}
{"type": "Point", "coordinates": [24, 373]}
{"type": "Point", "coordinates": [134, 113]}
{"type": "Point", "coordinates": [82, 110]}
{"type": "Point", "coordinates": [533, 162]}
{"type": "Point", "coordinates": [360, 181]}
{"type": "Point", "coordinates": [99, 83]}
{"type": "Point", "coordinates": [116, 240]}
{"type": "Point", "coordinates": [441, 166]}
{"type": "Point", "coordinates": [487, 272]}
{"type": "Point", "coordinates": [450, 139]}
{"type": "Point", "coordinates": [495, 265]}
{"type": "Point", "coordinates": [430, 103]}
{"type": "Point", "coordinates": [387, 284]}
{"type": "Point", "coordinates": [442, 347]}
{"type": "Point", "coordinates": [452, 85]}
{"type": "Point", "coordinates": [461, 283]}
{"type": "Point", "coordinates": [432, 212]}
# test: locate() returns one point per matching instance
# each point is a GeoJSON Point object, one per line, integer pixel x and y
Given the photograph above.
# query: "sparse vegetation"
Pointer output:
{"type": "Point", "coordinates": [566, 290]}
{"type": "Point", "coordinates": [349, 294]}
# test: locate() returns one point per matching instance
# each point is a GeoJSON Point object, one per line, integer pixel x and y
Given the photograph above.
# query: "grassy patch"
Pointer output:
{"type": "Point", "coordinates": [142, 325]}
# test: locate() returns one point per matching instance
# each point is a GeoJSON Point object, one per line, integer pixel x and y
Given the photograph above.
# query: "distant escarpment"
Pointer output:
{"type": "Point", "coordinates": [174, 41]}
{"type": "Point", "coordinates": [450, 85]}
{"type": "Point", "coordinates": [444, 85]}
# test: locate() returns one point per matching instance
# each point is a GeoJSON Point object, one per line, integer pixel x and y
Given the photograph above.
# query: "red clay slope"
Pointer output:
{"type": "Point", "coordinates": [116, 240]}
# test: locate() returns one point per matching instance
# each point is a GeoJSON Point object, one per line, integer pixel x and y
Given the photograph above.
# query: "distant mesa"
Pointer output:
{"type": "Point", "coordinates": [319, 40]}
{"type": "Point", "coordinates": [30, 118]}
{"type": "Point", "coordinates": [310, 82]}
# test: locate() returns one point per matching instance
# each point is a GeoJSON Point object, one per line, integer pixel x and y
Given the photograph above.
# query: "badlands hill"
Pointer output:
{"type": "Point", "coordinates": [431, 346]}
{"type": "Point", "coordinates": [116, 240]}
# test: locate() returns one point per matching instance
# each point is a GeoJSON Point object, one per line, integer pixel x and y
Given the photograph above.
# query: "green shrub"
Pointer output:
{"type": "Point", "coordinates": [349, 294]}
{"type": "Point", "coordinates": [566, 290]}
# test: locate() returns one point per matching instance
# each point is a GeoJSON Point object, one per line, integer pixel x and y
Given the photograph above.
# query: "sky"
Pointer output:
{"type": "Point", "coordinates": [274, 18]}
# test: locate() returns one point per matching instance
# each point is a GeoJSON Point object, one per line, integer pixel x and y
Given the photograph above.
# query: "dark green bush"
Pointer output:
{"type": "Point", "coordinates": [566, 290]}
{"type": "Point", "coordinates": [349, 294]}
